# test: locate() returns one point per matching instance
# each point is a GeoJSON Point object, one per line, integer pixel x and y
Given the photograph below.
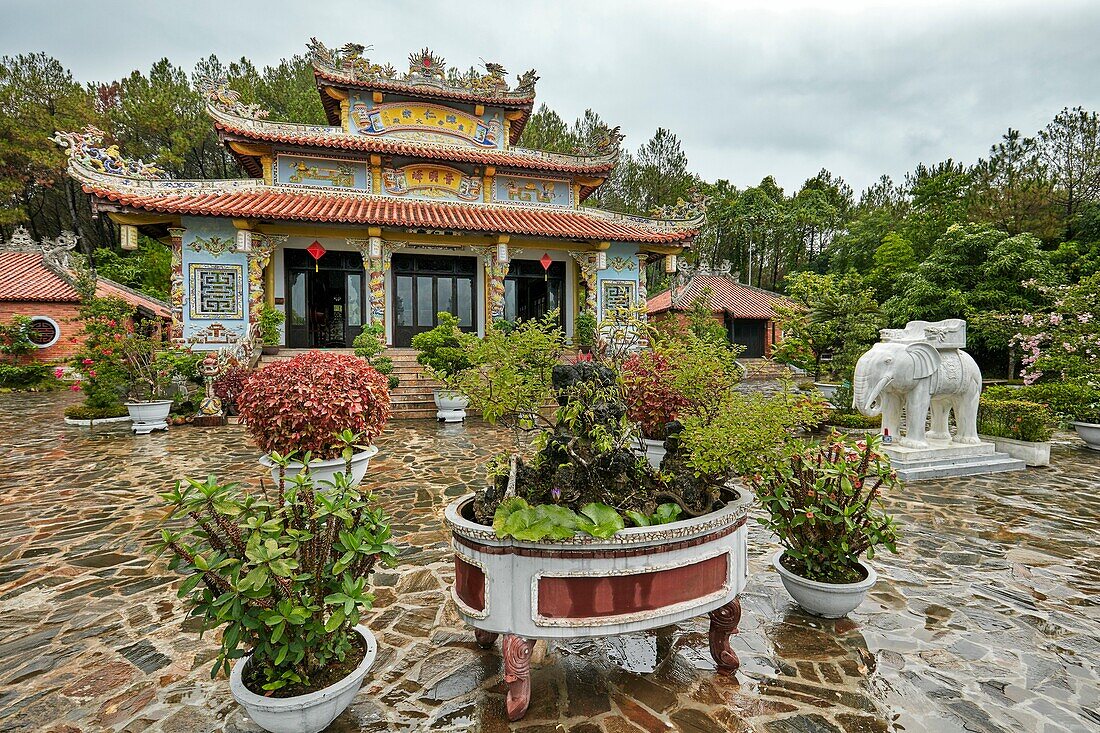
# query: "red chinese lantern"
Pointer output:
{"type": "Point", "coordinates": [316, 250]}
{"type": "Point", "coordinates": [545, 261]}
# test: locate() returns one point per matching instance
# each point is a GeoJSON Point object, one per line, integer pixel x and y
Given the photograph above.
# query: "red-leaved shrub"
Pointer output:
{"type": "Point", "coordinates": [228, 385]}
{"type": "Point", "coordinates": [301, 404]}
{"type": "Point", "coordinates": [651, 397]}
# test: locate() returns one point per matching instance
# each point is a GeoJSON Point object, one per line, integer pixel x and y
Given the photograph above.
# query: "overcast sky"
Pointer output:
{"type": "Point", "coordinates": [781, 88]}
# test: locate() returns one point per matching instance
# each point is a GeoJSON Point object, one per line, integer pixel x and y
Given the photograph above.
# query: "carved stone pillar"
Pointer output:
{"type": "Point", "coordinates": [175, 300]}
{"type": "Point", "coordinates": [496, 269]}
{"type": "Point", "coordinates": [259, 256]}
{"type": "Point", "coordinates": [589, 268]}
{"type": "Point", "coordinates": [376, 261]}
{"type": "Point", "coordinates": [643, 291]}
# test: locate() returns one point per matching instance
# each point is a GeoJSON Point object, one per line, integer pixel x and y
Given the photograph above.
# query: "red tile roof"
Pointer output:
{"type": "Point", "coordinates": [287, 203]}
{"type": "Point", "coordinates": [26, 276]}
{"type": "Point", "coordinates": [392, 146]}
{"type": "Point", "coordinates": [723, 294]}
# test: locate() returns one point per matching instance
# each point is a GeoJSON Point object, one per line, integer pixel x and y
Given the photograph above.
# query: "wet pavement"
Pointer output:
{"type": "Point", "coordinates": [987, 621]}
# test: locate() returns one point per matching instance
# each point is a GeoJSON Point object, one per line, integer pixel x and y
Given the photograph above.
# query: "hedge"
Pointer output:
{"type": "Point", "coordinates": [27, 376]}
{"type": "Point", "coordinates": [1066, 400]}
{"type": "Point", "coordinates": [1016, 419]}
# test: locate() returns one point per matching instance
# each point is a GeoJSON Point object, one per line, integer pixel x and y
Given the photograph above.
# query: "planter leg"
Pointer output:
{"type": "Point", "coordinates": [723, 623]}
{"type": "Point", "coordinates": [517, 674]}
{"type": "Point", "coordinates": [485, 639]}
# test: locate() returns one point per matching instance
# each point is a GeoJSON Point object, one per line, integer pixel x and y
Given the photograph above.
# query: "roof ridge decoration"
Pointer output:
{"type": "Point", "coordinates": [87, 150]}
{"type": "Point", "coordinates": [426, 68]}
{"type": "Point", "coordinates": [215, 90]}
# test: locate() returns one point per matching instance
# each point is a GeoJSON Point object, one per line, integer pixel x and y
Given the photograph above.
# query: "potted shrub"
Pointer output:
{"type": "Point", "coordinates": [1020, 428]}
{"type": "Point", "coordinates": [271, 320]}
{"type": "Point", "coordinates": [369, 345]}
{"type": "Point", "coordinates": [151, 373]}
{"type": "Point", "coordinates": [822, 502]}
{"type": "Point", "coordinates": [325, 409]}
{"type": "Point", "coordinates": [444, 353]}
{"type": "Point", "coordinates": [283, 573]}
{"type": "Point", "coordinates": [652, 400]}
{"type": "Point", "coordinates": [585, 330]}
{"type": "Point", "coordinates": [101, 373]}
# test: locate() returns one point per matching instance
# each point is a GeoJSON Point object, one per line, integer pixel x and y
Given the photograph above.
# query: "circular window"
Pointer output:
{"type": "Point", "coordinates": [43, 332]}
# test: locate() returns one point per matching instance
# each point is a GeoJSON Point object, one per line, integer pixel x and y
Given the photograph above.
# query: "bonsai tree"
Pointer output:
{"type": "Point", "coordinates": [822, 501]}
{"type": "Point", "coordinates": [305, 404]}
{"type": "Point", "coordinates": [270, 321]}
{"type": "Point", "coordinates": [651, 395]}
{"type": "Point", "coordinates": [282, 573]}
{"type": "Point", "coordinates": [585, 330]}
{"type": "Point", "coordinates": [443, 350]}
{"type": "Point", "coordinates": [369, 345]}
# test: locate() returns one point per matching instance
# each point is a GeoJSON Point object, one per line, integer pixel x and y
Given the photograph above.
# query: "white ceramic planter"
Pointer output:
{"type": "Point", "coordinates": [827, 390]}
{"type": "Point", "coordinates": [653, 450]}
{"type": "Point", "coordinates": [641, 578]}
{"type": "Point", "coordinates": [450, 405]}
{"type": "Point", "coordinates": [827, 600]}
{"type": "Point", "coordinates": [304, 713]}
{"type": "Point", "coordinates": [1089, 432]}
{"type": "Point", "coordinates": [1031, 453]}
{"type": "Point", "coordinates": [325, 471]}
{"type": "Point", "coordinates": [149, 416]}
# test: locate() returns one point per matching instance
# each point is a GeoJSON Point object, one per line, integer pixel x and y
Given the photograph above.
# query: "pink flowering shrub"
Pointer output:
{"type": "Point", "coordinates": [822, 500]}
{"type": "Point", "coordinates": [105, 378]}
{"type": "Point", "coordinates": [1065, 343]}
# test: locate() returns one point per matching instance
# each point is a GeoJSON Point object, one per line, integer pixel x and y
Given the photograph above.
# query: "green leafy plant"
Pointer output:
{"type": "Point", "coordinates": [100, 362]}
{"type": "Point", "coordinates": [33, 377]}
{"type": "Point", "coordinates": [822, 501]}
{"type": "Point", "coordinates": [1015, 419]}
{"type": "Point", "coordinates": [84, 412]}
{"type": "Point", "coordinates": [15, 340]}
{"type": "Point", "coordinates": [444, 350]}
{"type": "Point", "coordinates": [369, 345]}
{"type": "Point", "coordinates": [150, 372]}
{"type": "Point", "coordinates": [1067, 400]}
{"type": "Point", "coordinates": [584, 329]}
{"type": "Point", "coordinates": [854, 420]}
{"type": "Point", "coordinates": [516, 518]}
{"type": "Point", "coordinates": [304, 403]}
{"type": "Point", "coordinates": [228, 385]}
{"type": "Point", "coordinates": [283, 573]}
{"type": "Point", "coordinates": [270, 320]}
{"type": "Point", "coordinates": [665, 514]}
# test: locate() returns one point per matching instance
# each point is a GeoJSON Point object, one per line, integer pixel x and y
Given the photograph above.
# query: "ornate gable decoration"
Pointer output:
{"type": "Point", "coordinates": [426, 68]}
{"type": "Point", "coordinates": [602, 142]}
{"type": "Point", "coordinates": [216, 92]}
{"type": "Point", "coordinates": [88, 150]}
{"type": "Point", "coordinates": [692, 210]}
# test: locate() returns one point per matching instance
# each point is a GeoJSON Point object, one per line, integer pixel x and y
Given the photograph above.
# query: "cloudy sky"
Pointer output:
{"type": "Point", "coordinates": [751, 88]}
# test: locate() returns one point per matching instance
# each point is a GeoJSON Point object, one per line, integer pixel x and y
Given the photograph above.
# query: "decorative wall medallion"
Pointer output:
{"type": "Point", "coordinates": [216, 246]}
{"type": "Point", "coordinates": [215, 333]}
{"type": "Point", "coordinates": [407, 120]}
{"type": "Point", "coordinates": [216, 291]}
{"type": "Point", "coordinates": [617, 295]}
{"type": "Point", "coordinates": [620, 263]}
{"type": "Point", "coordinates": [431, 181]}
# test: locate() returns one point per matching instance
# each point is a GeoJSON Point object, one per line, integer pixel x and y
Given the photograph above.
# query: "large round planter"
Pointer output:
{"type": "Point", "coordinates": [827, 389]}
{"type": "Point", "coordinates": [325, 471]}
{"type": "Point", "coordinates": [1089, 432]}
{"type": "Point", "coordinates": [653, 450]}
{"type": "Point", "coordinates": [149, 416]}
{"type": "Point", "coordinates": [269, 350]}
{"type": "Point", "coordinates": [642, 578]}
{"type": "Point", "coordinates": [450, 406]}
{"type": "Point", "coordinates": [827, 600]}
{"type": "Point", "coordinates": [303, 713]}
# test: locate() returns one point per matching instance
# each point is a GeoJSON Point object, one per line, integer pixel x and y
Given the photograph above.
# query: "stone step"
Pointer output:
{"type": "Point", "coordinates": [977, 465]}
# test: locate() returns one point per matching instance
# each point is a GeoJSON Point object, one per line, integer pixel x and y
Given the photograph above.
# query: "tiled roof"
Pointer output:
{"type": "Point", "coordinates": [723, 295]}
{"type": "Point", "coordinates": [310, 136]}
{"type": "Point", "coordinates": [288, 203]}
{"type": "Point", "coordinates": [109, 288]}
{"type": "Point", "coordinates": [26, 276]}
{"type": "Point", "coordinates": [507, 99]}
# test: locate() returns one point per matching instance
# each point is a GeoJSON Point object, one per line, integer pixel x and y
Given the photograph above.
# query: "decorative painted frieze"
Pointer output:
{"type": "Point", "coordinates": [530, 190]}
{"type": "Point", "coordinates": [325, 172]}
{"type": "Point", "coordinates": [427, 123]}
{"type": "Point", "coordinates": [431, 181]}
{"type": "Point", "coordinates": [214, 245]}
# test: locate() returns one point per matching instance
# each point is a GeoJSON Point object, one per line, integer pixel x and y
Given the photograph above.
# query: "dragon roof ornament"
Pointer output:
{"type": "Point", "coordinates": [426, 68]}
{"type": "Point", "coordinates": [693, 209]}
{"type": "Point", "coordinates": [87, 150]}
{"type": "Point", "coordinates": [604, 141]}
{"type": "Point", "coordinates": [215, 90]}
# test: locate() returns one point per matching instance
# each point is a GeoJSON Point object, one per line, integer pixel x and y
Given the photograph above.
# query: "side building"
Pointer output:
{"type": "Point", "coordinates": [413, 200]}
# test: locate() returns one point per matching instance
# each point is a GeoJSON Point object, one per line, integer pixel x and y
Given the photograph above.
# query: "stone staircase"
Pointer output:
{"type": "Point", "coordinates": [764, 370]}
{"type": "Point", "coordinates": [411, 399]}
{"type": "Point", "coordinates": [944, 459]}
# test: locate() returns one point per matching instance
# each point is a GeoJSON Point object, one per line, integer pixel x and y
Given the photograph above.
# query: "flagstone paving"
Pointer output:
{"type": "Point", "coordinates": [987, 621]}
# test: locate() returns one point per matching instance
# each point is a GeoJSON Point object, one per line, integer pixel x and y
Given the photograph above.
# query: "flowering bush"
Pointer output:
{"type": "Point", "coordinates": [105, 379]}
{"type": "Point", "coordinates": [651, 397]}
{"type": "Point", "coordinates": [284, 573]}
{"type": "Point", "coordinates": [1064, 343]}
{"type": "Point", "coordinates": [228, 386]}
{"type": "Point", "coordinates": [304, 403]}
{"type": "Point", "coordinates": [823, 502]}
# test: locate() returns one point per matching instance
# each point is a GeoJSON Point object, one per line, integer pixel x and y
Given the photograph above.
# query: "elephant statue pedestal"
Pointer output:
{"type": "Point", "coordinates": [918, 376]}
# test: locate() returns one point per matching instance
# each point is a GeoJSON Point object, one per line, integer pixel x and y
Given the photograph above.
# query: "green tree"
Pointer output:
{"type": "Point", "coordinates": [893, 258]}
{"type": "Point", "coordinates": [1010, 188]}
{"type": "Point", "coordinates": [661, 176]}
{"type": "Point", "coordinates": [939, 198]}
{"type": "Point", "coordinates": [546, 130]}
{"type": "Point", "coordinates": [1070, 149]}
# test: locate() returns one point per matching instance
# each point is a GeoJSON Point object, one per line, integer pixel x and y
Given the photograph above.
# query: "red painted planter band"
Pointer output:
{"type": "Point", "coordinates": [469, 584]}
{"type": "Point", "coordinates": [580, 597]}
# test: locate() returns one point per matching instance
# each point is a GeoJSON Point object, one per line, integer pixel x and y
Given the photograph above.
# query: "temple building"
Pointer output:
{"type": "Point", "coordinates": [413, 200]}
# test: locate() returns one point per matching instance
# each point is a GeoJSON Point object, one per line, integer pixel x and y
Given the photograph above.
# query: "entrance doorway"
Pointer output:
{"type": "Point", "coordinates": [750, 333]}
{"type": "Point", "coordinates": [531, 292]}
{"type": "Point", "coordinates": [424, 285]}
{"type": "Point", "coordinates": [325, 300]}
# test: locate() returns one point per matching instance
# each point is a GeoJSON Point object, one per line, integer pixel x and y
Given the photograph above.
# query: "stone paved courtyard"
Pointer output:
{"type": "Point", "coordinates": [988, 621]}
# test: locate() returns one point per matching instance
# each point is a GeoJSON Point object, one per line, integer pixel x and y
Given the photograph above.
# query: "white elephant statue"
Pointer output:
{"type": "Point", "coordinates": [905, 370]}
